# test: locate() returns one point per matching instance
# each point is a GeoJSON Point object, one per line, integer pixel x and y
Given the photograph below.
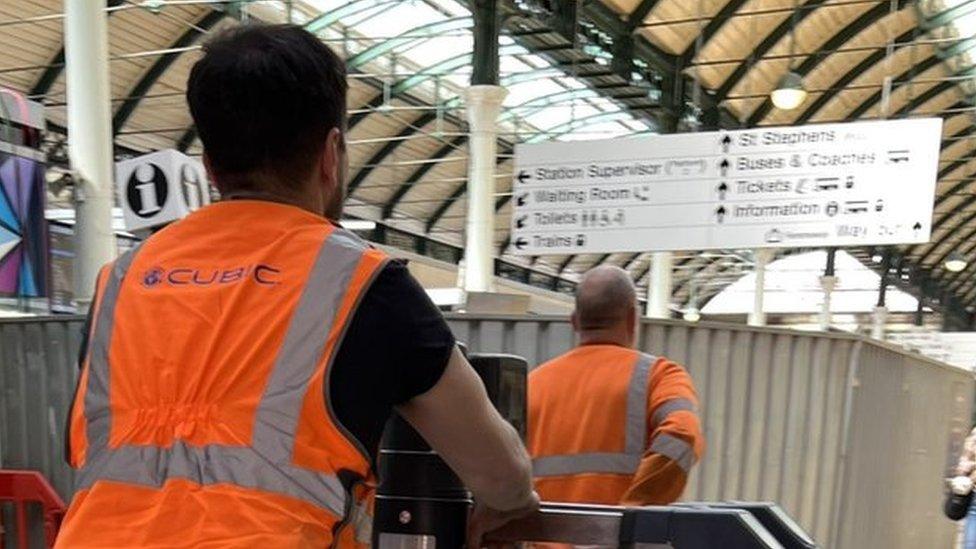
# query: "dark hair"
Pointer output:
{"type": "Point", "coordinates": [264, 98]}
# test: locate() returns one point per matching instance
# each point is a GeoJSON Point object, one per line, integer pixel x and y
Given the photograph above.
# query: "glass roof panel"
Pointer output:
{"type": "Point", "coordinates": [605, 130]}
{"type": "Point", "coordinates": [452, 7]}
{"type": "Point", "coordinates": [437, 49]}
{"type": "Point", "coordinates": [398, 16]}
{"type": "Point", "coordinates": [962, 24]}
{"type": "Point", "coordinates": [525, 92]}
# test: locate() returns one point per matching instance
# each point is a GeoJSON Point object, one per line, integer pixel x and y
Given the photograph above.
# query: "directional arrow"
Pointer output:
{"type": "Point", "coordinates": [724, 166]}
{"type": "Point", "coordinates": [726, 141]}
{"type": "Point", "coordinates": [522, 176]}
{"type": "Point", "coordinates": [720, 213]}
{"type": "Point", "coordinates": [522, 199]}
{"type": "Point", "coordinates": [722, 190]}
{"type": "Point", "coordinates": [521, 243]}
{"type": "Point", "coordinates": [520, 222]}
{"type": "Point", "coordinates": [918, 226]}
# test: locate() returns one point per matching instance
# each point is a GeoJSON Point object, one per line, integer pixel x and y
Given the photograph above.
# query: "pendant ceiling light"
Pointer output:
{"type": "Point", "coordinates": [955, 263]}
{"type": "Point", "coordinates": [790, 93]}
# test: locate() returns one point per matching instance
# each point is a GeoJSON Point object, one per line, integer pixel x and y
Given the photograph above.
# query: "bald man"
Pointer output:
{"type": "Point", "coordinates": [607, 423]}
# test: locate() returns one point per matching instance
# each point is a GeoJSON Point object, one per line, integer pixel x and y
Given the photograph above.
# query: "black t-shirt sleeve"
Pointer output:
{"type": "Point", "coordinates": [397, 347]}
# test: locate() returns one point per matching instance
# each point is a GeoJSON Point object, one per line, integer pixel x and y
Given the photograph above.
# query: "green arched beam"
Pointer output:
{"type": "Point", "coordinates": [948, 16]}
{"type": "Point", "coordinates": [406, 38]}
{"type": "Point", "coordinates": [420, 172]}
{"type": "Point", "coordinates": [159, 67]}
{"type": "Point", "coordinates": [641, 12]}
{"type": "Point", "coordinates": [379, 156]}
{"type": "Point", "coordinates": [902, 79]}
{"type": "Point", "coordinates": [531, 106]}
{"type": "Point", "coordinates": [851, 31]}
{"type": "Point", "coordinates": [424, 75]}
{"type": "Point", "coordinates": [948, 169]}
{"type": "Point", "coordinates": [56, 66]}
{"type": "Point", "coordinates": [563, 264]}
{"type": "Point", "coordinates": [948, 216]}
{"type": "Point", "coordinates": [770, 41]}
{"type": "Point", "coordinates": [926, 96]}
{"type": "Point", "coordinates": [422, 120]}
{"type": "Point", "coordinates": [942, 221]}
{"type": "Point", "coordinates": [865, 65]}
{"type": "Point", "coordinates": [630, 261]}
{"type": "Point", "coordinates": [711, 28]}
{"type": "Point", "coordinates": [941, 198]}
{"type": "Point", "coordinates": [954, 281]}
{"type": "Point", "coordinates": [349, 9]}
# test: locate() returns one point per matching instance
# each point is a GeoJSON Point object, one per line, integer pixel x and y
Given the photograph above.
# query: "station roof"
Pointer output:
{"type": "Point", "coordinates": [618, 68]}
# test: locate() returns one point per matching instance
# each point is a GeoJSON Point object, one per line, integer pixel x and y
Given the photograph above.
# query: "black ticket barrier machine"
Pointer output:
{"type": "Point", "coordinates": [631, 527]}
{"type": "Point", "coordinates": [771, 516]}
{"type": "Point", "coordinates": [420, 502]}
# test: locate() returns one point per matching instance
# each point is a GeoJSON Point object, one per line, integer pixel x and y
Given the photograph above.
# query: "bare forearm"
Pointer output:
{"type": "Point", "coordinates": [658, 481]}
{"type": "Point", "coordinates": [505, 481]}
{"type": "Point", "coordinates": [459, 422]}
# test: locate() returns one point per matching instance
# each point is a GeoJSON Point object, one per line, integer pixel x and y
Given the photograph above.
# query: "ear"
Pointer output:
{"type": "Point", "coordinates": [208, 167]}
{"type": "Point", "coordinates": [633, 321]}
{"type": "Point", "coordinates": [574, 320]}
{"type": "Point", "coordinates": [330, 164]}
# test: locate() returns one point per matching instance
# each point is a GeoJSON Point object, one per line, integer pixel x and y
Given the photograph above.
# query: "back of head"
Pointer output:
{"type": "Point", "coordinates": [606, 305]}
{"type": "Point", "coordinates": [264, 98]}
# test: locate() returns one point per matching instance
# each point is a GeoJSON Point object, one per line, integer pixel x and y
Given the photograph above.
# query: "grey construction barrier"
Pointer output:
{"type": "Point", "coordinates": [851, 437]}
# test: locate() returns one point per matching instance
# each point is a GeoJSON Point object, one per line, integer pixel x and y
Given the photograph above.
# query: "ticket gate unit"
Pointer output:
{"type": "Point", "coordinates": [652, 527]}
{"type": "Point", "coordinates": [421, 503]}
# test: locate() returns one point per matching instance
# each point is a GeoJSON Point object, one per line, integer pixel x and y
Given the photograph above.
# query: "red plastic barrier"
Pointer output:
{"type": "Point", "coordinates": [24, 487]}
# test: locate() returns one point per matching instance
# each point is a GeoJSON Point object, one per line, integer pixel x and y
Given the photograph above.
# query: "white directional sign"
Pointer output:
{"type": "Point", "coordinates": [818, 185]}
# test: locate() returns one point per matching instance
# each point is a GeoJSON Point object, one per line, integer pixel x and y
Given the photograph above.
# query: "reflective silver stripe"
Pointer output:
{"type": "Point", "coordinates": [362, 523]}
{"type": "Point", "coordinates": [211, 464]}
{"type": "Point", "coordinates": [636, 428]}
{"type": "Point", "coordinates": [675, 449]}
{"type": "Point", "coordinates": [267, 464]}
{"type": "Point", "coordinates": [96, 392]}
{"type": "Point", "coordinates": [669, 407]}
{"type": "Point", "coordinates": [575, 464]}
{"type": "Point", "coordinates": [635, 436]}
{"type": "Point", "coordinates": [280, 407]}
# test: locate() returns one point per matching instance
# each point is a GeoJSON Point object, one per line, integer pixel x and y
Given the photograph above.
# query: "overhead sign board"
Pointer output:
{"type": "Point", "coordinates": [158, 188]}
{"type": "Point", "coordinates": [818, 185]}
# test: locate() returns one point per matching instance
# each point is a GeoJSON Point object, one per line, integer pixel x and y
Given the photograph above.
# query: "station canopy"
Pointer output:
{"type": "Point", "coordinates": [587, 69]}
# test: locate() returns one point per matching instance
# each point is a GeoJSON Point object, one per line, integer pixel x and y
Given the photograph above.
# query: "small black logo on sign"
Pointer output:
{"type": "Point", "coordinates": [147, 190]}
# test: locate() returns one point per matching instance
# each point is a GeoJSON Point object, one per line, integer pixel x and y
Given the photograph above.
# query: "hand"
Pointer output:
{"type": "Point", "coordinates": [484, 520]}
{"type": "Point", "coordinates": [961, 485]}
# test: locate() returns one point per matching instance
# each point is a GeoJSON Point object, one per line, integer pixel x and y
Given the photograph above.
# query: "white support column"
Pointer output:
{"type": "Point", "coordinates": [659, 285]}
{"type": "Point", "coordinates": [827, 283]}
{"type": "Point", "coordinates": [758, 316]}
{"type": "Point", "coordinates": [878, 321]}
{"type": "Point", "coordinates": [89, 140]}
{"type": "Point", "coordinates": [483, 105]}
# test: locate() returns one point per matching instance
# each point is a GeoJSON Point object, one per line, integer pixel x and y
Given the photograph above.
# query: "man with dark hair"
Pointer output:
{"type": "Point", "coordinates": [242, 362]}
{"type": "Point", "coordinates": [607, 423]}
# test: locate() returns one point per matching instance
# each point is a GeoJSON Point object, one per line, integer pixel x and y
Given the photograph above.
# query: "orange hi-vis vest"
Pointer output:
{"type": "Point", "coordinates": [200, 418]}
{"type": "Point", "coordinates": [610, 425]}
